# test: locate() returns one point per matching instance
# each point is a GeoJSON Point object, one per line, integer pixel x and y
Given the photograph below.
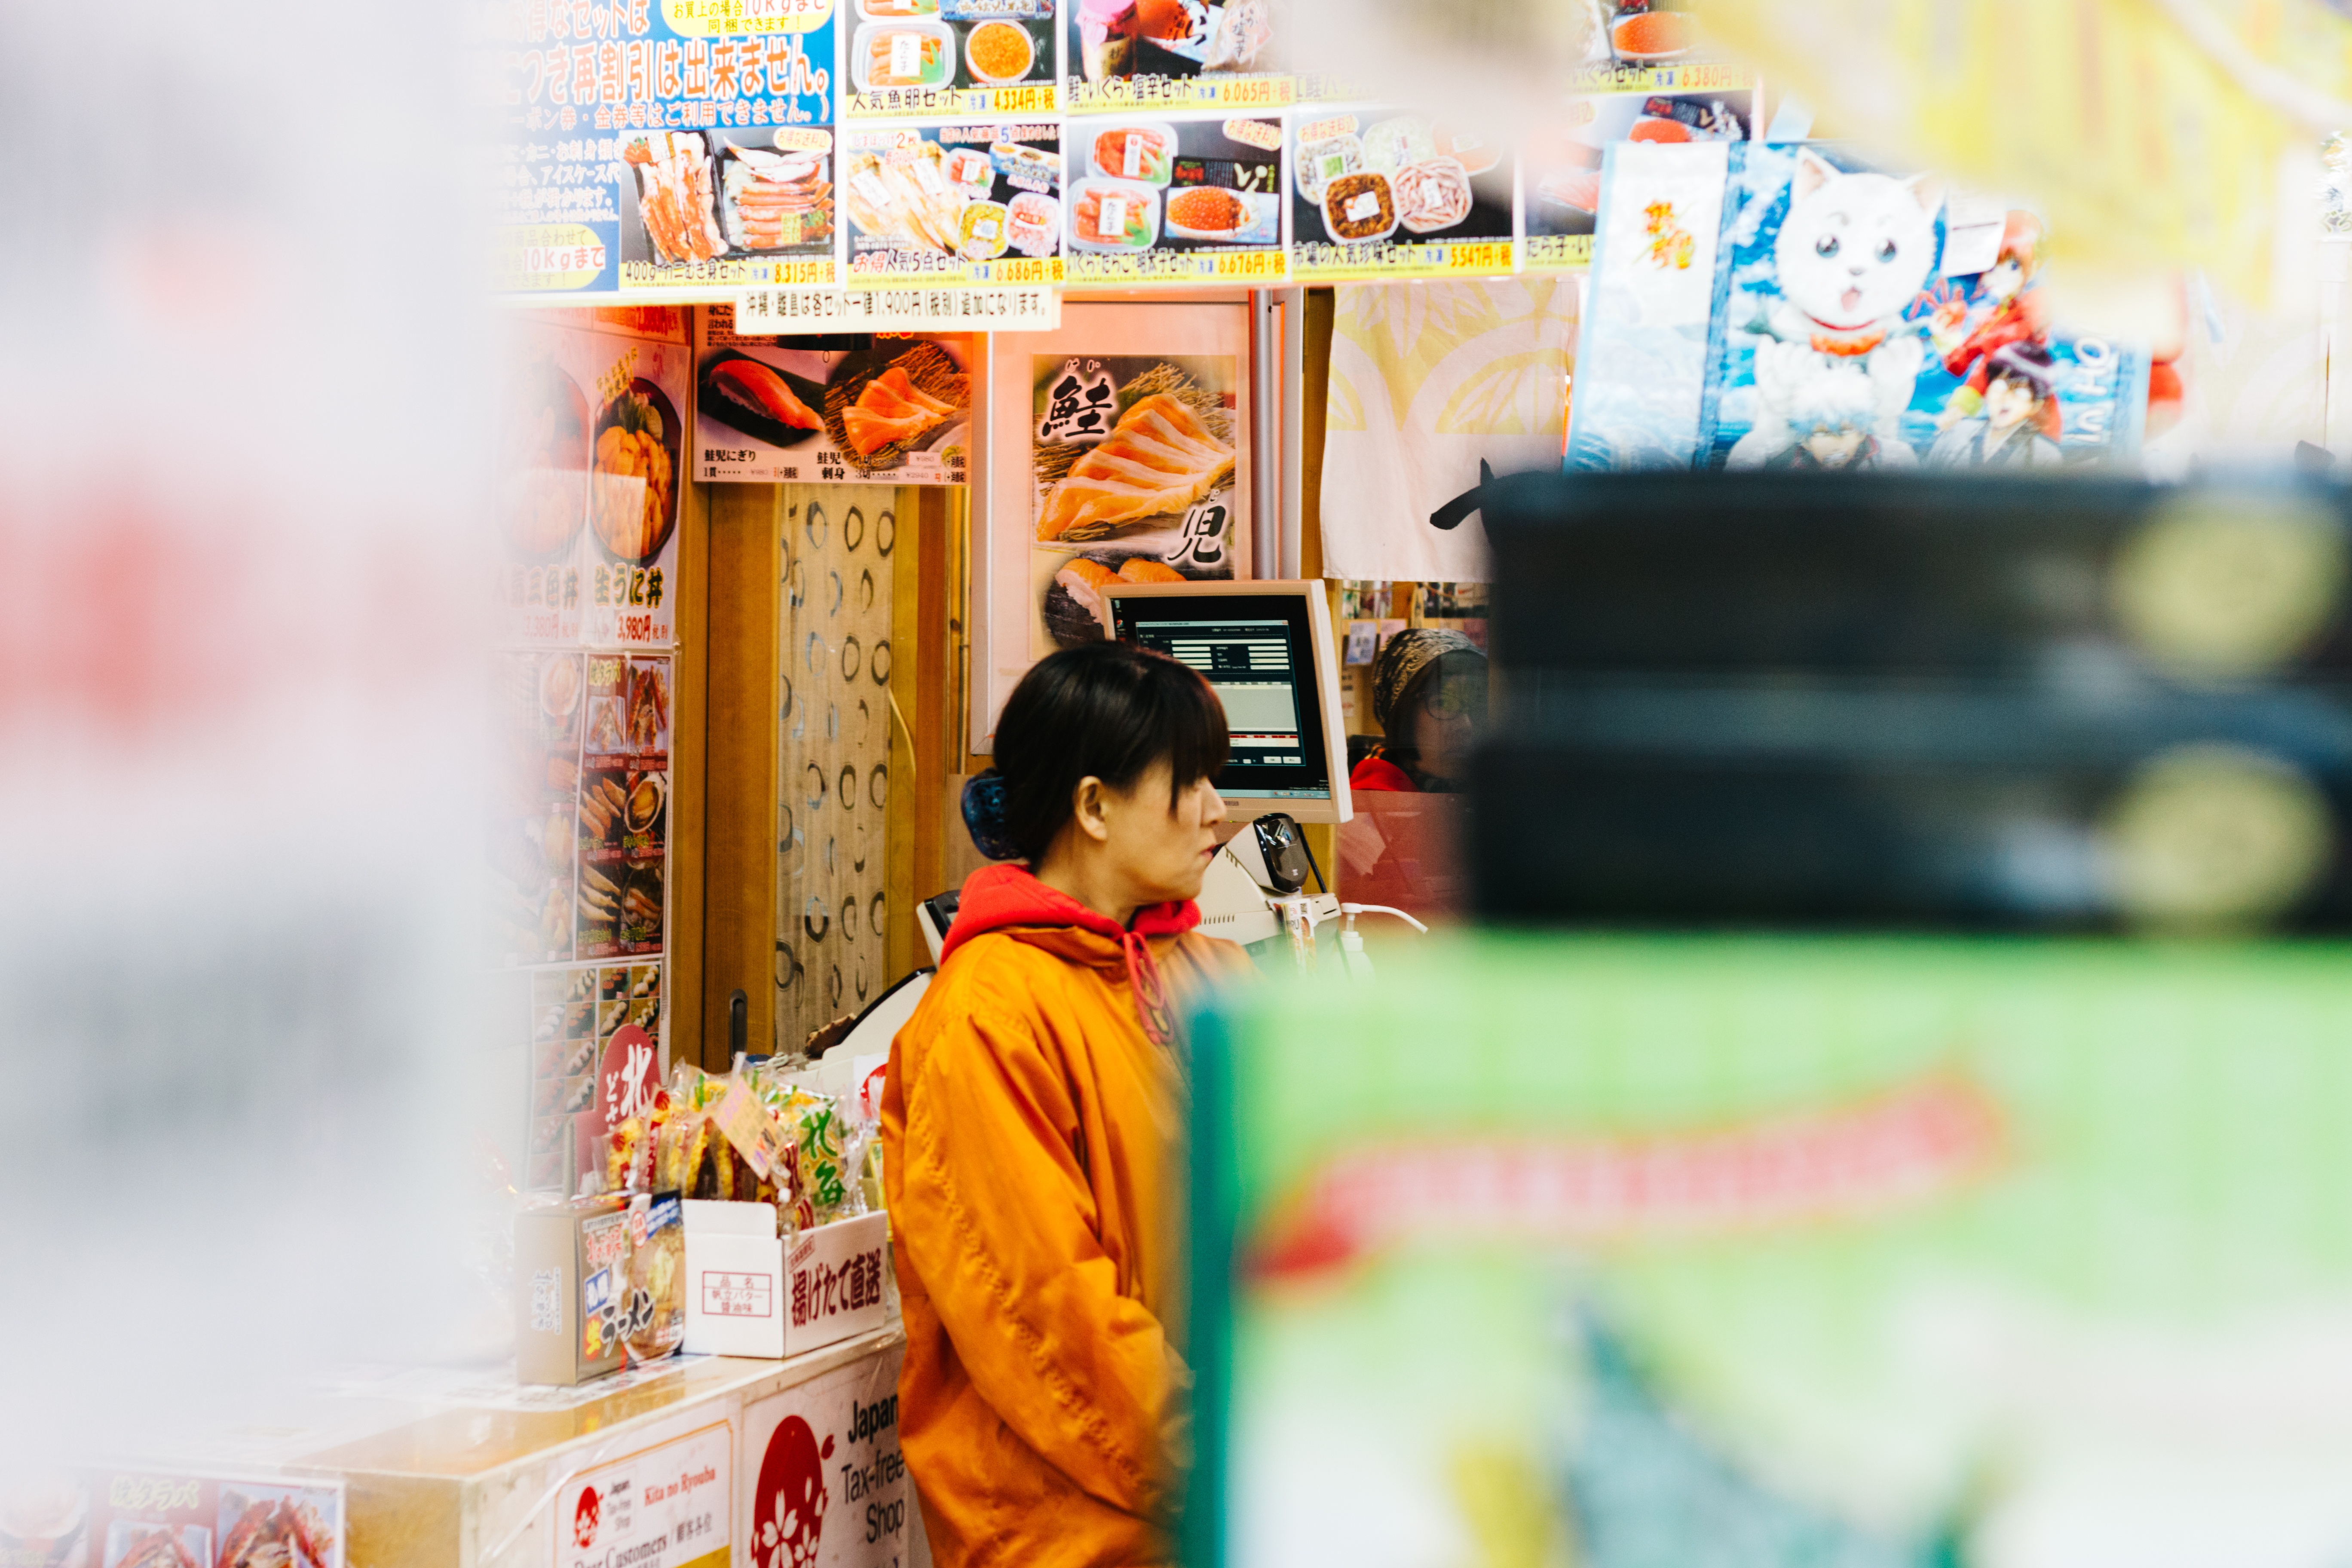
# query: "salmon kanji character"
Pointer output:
{"type": "Point", "coordinates": [637, 69]}
{"type": "Point", "coordinates": [608, 72]}
{"type": "Point", "coordinates": [535, 21]}
{"type": "Point", "coordinates": [697, 68]}
{"type": "Point", "coordinates": [722, 71]}
{"type": "Point", "coordinates": [583, 73]}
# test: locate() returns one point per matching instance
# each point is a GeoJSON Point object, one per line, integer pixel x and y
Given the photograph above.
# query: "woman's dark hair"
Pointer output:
{"type": "Point", "coordinates": [1109, 709]}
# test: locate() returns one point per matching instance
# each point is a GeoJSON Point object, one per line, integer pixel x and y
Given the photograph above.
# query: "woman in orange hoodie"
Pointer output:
{"type": "Point", "coordinates": [1032, 1127]}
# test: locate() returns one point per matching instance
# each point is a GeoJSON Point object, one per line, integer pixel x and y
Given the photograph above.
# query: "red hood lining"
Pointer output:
{"type": "Point", "coordinates": [997, 897]}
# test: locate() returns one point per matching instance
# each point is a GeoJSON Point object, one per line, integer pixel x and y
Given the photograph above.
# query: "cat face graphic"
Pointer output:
{"type": "Point", "coordinates": [1855, 248]}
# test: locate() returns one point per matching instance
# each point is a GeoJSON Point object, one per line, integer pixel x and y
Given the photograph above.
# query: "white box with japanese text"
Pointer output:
{"type": "Point", "coordinates": [746, 1297]}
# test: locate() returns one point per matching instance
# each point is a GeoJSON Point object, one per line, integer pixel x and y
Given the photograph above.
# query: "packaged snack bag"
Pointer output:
{"type": "Point", "coordinates": [653, 1320]}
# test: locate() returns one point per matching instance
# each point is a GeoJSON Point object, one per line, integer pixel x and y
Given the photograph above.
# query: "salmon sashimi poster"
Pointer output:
{"type": "Point", "coordinates": [1131, 465]}
{"type": "Point", "coordinates": [769, 409]}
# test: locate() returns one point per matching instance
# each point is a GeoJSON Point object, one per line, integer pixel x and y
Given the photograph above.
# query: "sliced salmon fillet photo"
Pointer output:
{"type": "Point", "coordinates": [891, 408]}
{"type": "Point", "coordinates": [1159, 459]}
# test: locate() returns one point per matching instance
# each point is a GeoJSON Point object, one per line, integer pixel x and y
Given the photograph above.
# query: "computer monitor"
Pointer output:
{"type": "Point", "coordinates": [1266, 649]}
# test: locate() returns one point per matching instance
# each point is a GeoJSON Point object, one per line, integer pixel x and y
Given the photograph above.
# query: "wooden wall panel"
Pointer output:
{"type": "Point", "coordinates": [739, 773]}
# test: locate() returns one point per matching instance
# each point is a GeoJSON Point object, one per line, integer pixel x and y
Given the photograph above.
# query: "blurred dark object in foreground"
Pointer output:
{"type": "Point", "coordinates": [1774, 699]}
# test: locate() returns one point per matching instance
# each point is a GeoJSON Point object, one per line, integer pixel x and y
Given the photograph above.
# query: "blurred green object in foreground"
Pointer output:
{"type": "Point", "coordinates": [1760, 1251]}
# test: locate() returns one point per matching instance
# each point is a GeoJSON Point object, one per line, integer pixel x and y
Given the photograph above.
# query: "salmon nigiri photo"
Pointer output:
{"type": "Point", "coordinates": [757, 399]}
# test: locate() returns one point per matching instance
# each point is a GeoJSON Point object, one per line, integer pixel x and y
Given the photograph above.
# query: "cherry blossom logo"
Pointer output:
{"type": "Point", "coordinates": [789, 1516]}
{"type": "Point", "coordinates": [585, 1519]}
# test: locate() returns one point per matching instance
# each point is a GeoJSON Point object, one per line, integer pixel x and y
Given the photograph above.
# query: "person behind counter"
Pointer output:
{"type": "Point", "coordinates": [1429, 698]}
{"type": "Point", "coordinates": [1030, 1127]}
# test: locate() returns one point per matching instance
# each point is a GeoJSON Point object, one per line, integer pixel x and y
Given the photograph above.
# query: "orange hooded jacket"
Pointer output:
{"type": "Point", "coordinates": [1031, 1144]}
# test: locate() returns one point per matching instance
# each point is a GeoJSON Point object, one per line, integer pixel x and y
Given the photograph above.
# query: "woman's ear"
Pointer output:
{"type": "Point", "coordinates": [1088, 804]}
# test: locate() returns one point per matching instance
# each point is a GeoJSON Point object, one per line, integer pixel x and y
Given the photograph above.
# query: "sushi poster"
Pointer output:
{"type": "Point", "coordinates": [964, 204]}
{"type": "Point", "coordinates": [1381, 192]}
{"type": "Point", "coordinates": [622, 819]}
{"type": "Point", "coordinates": [769, 410]}
{"type": "Point", "coordinates": [539, 701]}
{"type": "Point", "coordinates": [1180, 201]}
{"type": "Point", "coordinates": [1124, 55]}
{"type": "Point", "coordinates": [578, 1017]}
{"type": "Point", "coordinates": [1923, 342]}
{"type": "Point", "coordinates": [938, 57]}
{"type": "Point", "coordinates": [1133, 467]}
{"type": "Point", "coordinates": [1559, 168]}
{"type": "Point", "coordinates": [591, 438]}
{"type": "Point", "coordinates": [716, 130]}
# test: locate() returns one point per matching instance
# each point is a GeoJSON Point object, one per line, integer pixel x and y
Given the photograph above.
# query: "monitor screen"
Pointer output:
{"type": "Point", "coordinates": [1258, 653]}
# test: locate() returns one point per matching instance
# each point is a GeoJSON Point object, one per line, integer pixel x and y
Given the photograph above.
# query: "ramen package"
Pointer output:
{"type": "Point", "coordinates": [653, 1313]}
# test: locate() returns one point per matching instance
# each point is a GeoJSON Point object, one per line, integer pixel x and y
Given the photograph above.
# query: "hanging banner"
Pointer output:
{"type": "Point", "coordinates": [538, 703]}
{"type": "Point", "coordinates": [1380, 193]}
{"type": "Point", "coordinates": [1191, 201]}
{"type": "Point", "coordinates": [951, 205]}
{"type": "Point", "coordinates": [1120, 55]}
{"type": "Point", "coordinates": [1433, 386]}
{"type": "Point", "coordinates": [1866, 321]}
{"type": "Point", "coordinates": [1559, 168]}
{"type": "Point", "coordinates": [766, 412]}
{"type": "Point", "coordinates": [665, 145]}
{"type": "Point", "coordinates": [947, 57]}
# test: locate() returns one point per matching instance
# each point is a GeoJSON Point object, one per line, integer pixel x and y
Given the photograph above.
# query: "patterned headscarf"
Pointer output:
{"type": "Point", "coordinates": [1408, 653]}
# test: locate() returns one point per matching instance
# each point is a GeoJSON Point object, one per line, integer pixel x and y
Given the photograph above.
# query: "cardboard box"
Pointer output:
{"type": "Point", "coordinates": [746, 1297]}
{"type": "Point", "coordinates": [570, 1264]}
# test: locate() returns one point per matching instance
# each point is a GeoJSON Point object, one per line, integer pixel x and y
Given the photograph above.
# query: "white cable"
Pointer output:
{"type": "Point", "coordinates": [1383, 910]}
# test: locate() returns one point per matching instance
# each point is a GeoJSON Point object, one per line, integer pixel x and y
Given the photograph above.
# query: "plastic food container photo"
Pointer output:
{"type": "Point", "coordinates": [894, 55]}
{"type": "Point", "coordinates": [1139, 150]}
{"type": "Point", "coordinates": [1322, 160]}
{"type": "Point", "coordinates": [1358, 209]}
{"type": "Point", "coordinates": [1135, 216]}
{"type": "Point", "coordinates": [997, 36]}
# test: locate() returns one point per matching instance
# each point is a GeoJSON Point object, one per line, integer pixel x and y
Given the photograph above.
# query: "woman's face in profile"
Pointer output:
{"type": "Point", "coordinates": [1163, 851]}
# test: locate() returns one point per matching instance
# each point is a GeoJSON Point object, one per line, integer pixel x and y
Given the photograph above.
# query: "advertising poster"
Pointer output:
{"type": "Point", "coordinates": [129, 1518]}
{"type": "Point", "coordinates": [1191, 201]}
{"type": "Point", "coordinates": [768, 411]}
{"type": "Point", "coordinates": [1099, 423]}
{"type": "Point", "coordinates": [1070, 504]}
{"type": "Point", "coordinates": [944, 57]}
{"type": "Point", "coordinates": [954, 204]}
{"type": "Point", "coordinates": [636, 480]}
{"type": "Point", "coordinates": [1381, 192]}
{"type": "Point", "coordinates": [539, 700]}
{"type": "Point", "coordinates": [623, 819]}
{"type": "Point", "coordinates": [669, 1505]}
{"type": "Point", "coordinates": [1121, 56]}
{"type": "Point", "coordinates": [1560, 170]}
{"type": "Point", "coordinates": [618, 121]}
{"type": "Point", "coordinates": [591, 439]}
{"type": "Point", "coordinates": [589, 1026]}
{"type": "Point", "coordinates": [725, 176]}
{"type": "Point", "coordinates": [827, 1483]}
{"type": "Point", "coordinates": [1868, 321]}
